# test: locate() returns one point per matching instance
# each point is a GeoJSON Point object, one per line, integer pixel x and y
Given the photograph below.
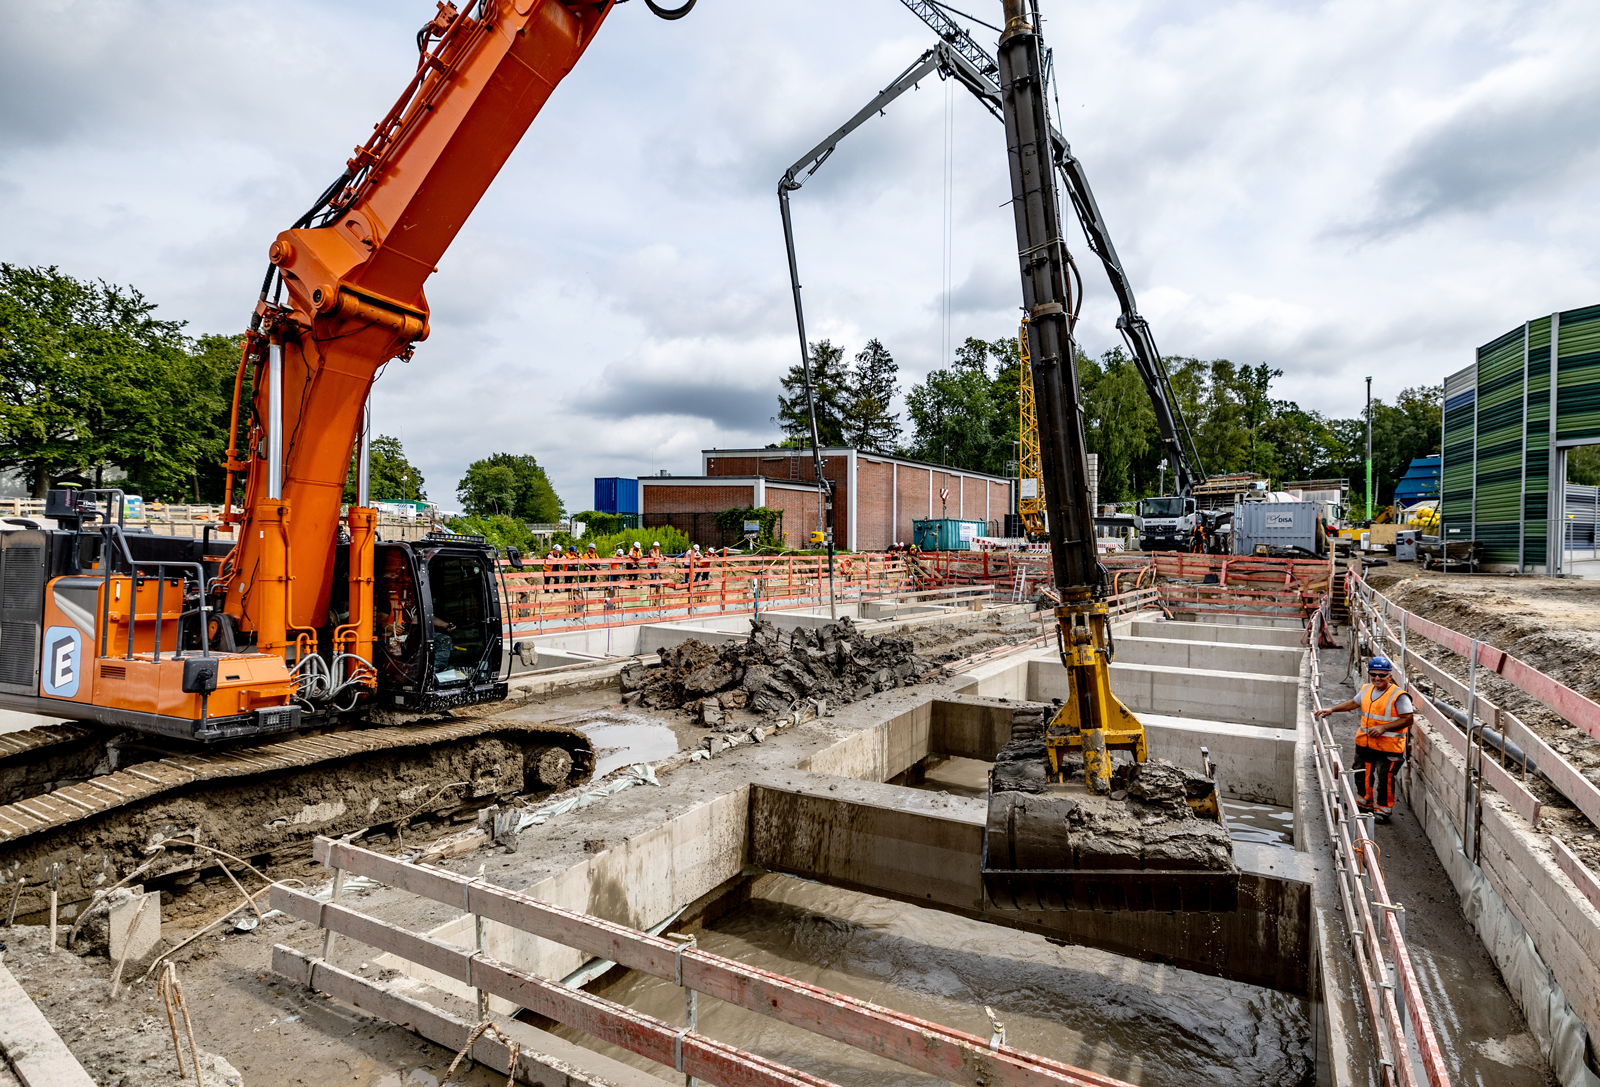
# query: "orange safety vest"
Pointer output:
{"type": "Point", "coordinates": [1376, 710]}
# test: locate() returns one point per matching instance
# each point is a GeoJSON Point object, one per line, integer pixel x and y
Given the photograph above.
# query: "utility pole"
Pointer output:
{"type": "Point", "coordinates": [1369, 449]}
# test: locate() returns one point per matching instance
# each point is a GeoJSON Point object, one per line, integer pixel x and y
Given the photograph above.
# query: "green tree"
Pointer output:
{"type": "Point", "coordinates": [868, 422]}
{"type": "Point", "coordinates": [499, 530]}
{"type": "Point", "coordinates": [511, 484]}
{"type": "Point", "coordinates": [1120, 424]}
{"type": "Point", "coordinates": [830, 384]}
{"type": "Point", "coordinates": [217, 357]}
{"type": "Point", "coordinates": [90, 379]}
{"type": "Point", "coordinates": [955, 414]}
{"type": "Point", "coordinates": [391, 476]}
{"type": "Point", "coordinates": [1583, 465]}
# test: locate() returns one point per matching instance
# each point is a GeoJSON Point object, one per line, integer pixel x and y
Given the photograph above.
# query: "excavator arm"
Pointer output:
{"type": "Point", "coordinates": [981, 73]}
{"type": "Point", "coordinates": [344, 296]}
{"type": "Point", "coordinates": [1073, 846]}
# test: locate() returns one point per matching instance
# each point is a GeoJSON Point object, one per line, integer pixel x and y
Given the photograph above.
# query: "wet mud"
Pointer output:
{"type": "Point", "coordinates": [622, 739]}
{"type": "Point", "coordinates": [1152, 1025]}
{"type": "Point", "coordinates": [771, 671]}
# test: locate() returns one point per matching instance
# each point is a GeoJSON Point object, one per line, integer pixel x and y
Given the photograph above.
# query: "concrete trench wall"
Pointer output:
{"type": "Point", "coordinates": [890, 840]}
{"type": "Point", "coordinates": [1543, 934]}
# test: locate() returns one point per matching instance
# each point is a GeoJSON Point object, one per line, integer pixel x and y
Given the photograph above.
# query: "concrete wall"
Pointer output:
{"type": "Point", "coordinates": [1515, 863]}
{"type": "Point", "coordinates": [1213, 632]}
{"type": "Point", "coordinates": [926, 849]}
{"type": "Point", "coordinates": [1270, 660]}
{"type": "Point", "coordinates": [880, 751]}
{"type": "Point", "coordinates": [1238, 697]}
{"type": "Point", "coordinates": [1253, 763]}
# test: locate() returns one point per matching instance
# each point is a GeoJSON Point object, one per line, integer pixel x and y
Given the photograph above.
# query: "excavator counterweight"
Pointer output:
{"type": "Point", "coordinates": [1079, 818]}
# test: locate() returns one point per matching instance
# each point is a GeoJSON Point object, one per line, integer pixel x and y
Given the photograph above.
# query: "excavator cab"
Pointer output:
{"type": "Point", "coordinates": [439, 639]}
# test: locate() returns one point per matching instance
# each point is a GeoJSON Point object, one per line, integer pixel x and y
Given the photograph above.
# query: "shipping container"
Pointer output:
{"type": "Point", "coordinates": [1278, 525]}
{"type": "Point", "coordinates": [616, 494]}
{"type": "Point", "coordinates": [947, 534]}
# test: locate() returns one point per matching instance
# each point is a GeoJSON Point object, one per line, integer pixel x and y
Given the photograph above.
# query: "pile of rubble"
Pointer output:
{"type": "Point", "coordinates": [1146, 822]}
{"type": "Point", "coordinates": [770, 671]}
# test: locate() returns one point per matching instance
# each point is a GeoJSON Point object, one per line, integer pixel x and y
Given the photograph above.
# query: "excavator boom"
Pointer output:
{"type": "Point", "coordinates": [1070, 841]}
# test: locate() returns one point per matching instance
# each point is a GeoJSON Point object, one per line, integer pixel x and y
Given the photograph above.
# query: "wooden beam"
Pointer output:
{"type": "Point", "coordinates": [1576, 871]}
{"type": "Point", "coordinates": [660, 1041]}
{"type": "Point", "coordinates": [949, 1054]}
{"type": "Point", "coordinates": [439, 1027]}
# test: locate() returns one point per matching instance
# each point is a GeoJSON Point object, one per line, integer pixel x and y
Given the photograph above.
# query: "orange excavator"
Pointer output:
{"type": "Point", "coordinates": [307, 623]}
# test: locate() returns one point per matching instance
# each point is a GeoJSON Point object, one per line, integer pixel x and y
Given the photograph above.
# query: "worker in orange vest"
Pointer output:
{"type": "Point", "coordinates": [1386, 713]}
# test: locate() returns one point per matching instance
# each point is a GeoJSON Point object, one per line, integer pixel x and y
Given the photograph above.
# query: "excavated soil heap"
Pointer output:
{"type": "Point", "coordinates": [1145, 823]}
{"type": "Point", "coordinates": [770, 671]}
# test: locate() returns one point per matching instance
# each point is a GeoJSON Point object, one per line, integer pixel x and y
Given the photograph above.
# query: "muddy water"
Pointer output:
{"type": "Point", "coordinates": [1151, 1025]}
{"type": "Point", "coordinates": [622, 739]}
{"type": "Point", "coordinates": [1264, 824]}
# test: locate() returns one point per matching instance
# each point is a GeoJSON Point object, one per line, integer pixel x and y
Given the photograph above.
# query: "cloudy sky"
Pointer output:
{"type": "Point", "coordinates": [1339, 189]}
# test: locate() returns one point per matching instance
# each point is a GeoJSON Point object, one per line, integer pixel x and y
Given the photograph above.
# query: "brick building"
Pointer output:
{"type": "Point", "coordinates": [690, 505]}
{"type": "Point", "coordinates": [876, 497]}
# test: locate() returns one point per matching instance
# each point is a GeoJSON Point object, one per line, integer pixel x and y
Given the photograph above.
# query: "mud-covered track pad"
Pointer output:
{"type": "Point", "coordinates": [263, 799]}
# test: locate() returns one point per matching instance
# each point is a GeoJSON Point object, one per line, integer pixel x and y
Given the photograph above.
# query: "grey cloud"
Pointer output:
{"type": "Point", "coordinates": [1486, 155]}
{"type": "Point", "coordinates": [621, 395]}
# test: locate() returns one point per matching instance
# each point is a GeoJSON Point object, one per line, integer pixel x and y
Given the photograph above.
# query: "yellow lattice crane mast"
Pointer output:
{"type": "Point", "coordinates": [1030, 476]}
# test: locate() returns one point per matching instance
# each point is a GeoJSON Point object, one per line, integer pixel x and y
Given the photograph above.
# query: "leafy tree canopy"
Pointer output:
{"type": "Point", "coordinates": [391, 476]}
{"type": "Point", "coordinates": [91, 380]}
{"type": "Point", "coordinates": [512, 484]}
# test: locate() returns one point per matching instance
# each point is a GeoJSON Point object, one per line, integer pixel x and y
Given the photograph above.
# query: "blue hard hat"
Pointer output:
{"type": "Point", "coordinates": [1380, 664]}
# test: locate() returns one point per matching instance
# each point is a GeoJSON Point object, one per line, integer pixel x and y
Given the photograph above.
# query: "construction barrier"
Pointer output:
{"type": "Point", "coordinates": [948, 1055]}
{"type": "Point", "coordinates": [1390, 994]}
{"type": "Point", "coordinates": [1237, 585]}
{"type": "Point", "coordinates": [547, 596]}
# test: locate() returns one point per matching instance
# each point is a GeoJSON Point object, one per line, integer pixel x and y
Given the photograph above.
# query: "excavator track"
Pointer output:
{"type": "Point", "coordinates": [37, 760]}
{"type": "Point", "coordinates": [262, 800]}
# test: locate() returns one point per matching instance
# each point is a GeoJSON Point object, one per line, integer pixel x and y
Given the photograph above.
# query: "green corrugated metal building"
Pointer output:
{"type": "Point", "coordinates": [1507, 430]}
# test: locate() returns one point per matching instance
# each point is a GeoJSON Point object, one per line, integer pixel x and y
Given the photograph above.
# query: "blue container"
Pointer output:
{"type": "Point", "coordinates": [947, 534]}
{"type": "Point", "coordinates": [616, 494]}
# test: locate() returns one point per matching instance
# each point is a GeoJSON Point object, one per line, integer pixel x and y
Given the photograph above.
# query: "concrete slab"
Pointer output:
{"type": "Point", "coordinates": [1214, 632]}
{"type": "Point", "coordinates": [1253, 763]}
{"type": "Point", "coordinates": [1242, 698]}
{"type": "Point", "coordinates": [926, 848]}
{"type": "Point", "coordinates": [29, 1047]}
{"type": "Point", "coordinates": [135, 938]}
{"type": "Point", "coordinates": [1270, 660]}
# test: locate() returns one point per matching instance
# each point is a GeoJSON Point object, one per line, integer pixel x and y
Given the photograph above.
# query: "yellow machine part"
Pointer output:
{"type": "Point", "coordinates": [1030, 469]}
{"type": "Point", "coordinates": [1084, 628]}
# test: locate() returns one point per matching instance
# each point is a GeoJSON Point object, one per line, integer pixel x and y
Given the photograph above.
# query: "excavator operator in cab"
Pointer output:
{"type": "Point", "coordinates": [1386, 713]}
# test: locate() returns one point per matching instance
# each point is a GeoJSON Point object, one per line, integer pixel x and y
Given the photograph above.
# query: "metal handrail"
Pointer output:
{"type": "Point", "coordinates": [1391, 1004]}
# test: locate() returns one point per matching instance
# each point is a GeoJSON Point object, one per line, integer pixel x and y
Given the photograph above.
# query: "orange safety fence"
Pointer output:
{"type": "Point", "coordinates": [1025, 572]}
{"type": "Point", "coordinates": [550, 596]}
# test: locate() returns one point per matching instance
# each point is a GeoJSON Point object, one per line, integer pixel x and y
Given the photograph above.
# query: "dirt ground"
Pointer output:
{"type": "Point", "coordinates": [942, 645]}
{"type": "Point", "coordinates": [1551, 624]}
{"type": "Point", "coordinates": [1485, 1038]}
{"type": "Point", "coordinates": [273, 1032]}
